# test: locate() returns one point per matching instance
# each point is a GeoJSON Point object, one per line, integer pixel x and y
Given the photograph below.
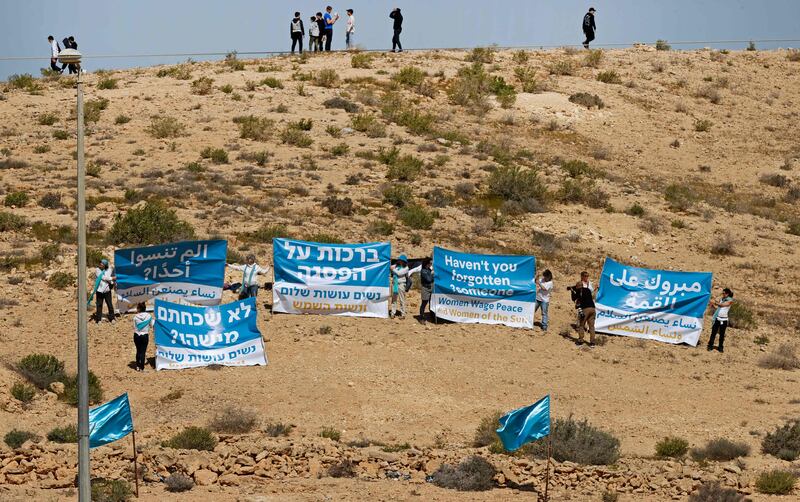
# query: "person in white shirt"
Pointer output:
{"type": "Point", "coordinates": [402, 280]}
{"type": "Point", "coordinates": [314, 39]}
{"type": "Point", "coordinates": [104, 283]}
{"type": "Point", "coordinates": [250, 273]}
{"type": "Point", "coordinates": [142, 322]}
{"type": "Point", "coordinates": [544, 286]}
{"type": "Point", "coordinates": [350, 35]}
{"type": "Point", "coordinates": [720, 325]}
{"type": "Point", "coordinates": [55, 50]}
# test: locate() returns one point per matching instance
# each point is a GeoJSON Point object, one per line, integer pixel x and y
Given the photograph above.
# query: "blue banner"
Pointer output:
{"type": "Point", "coordinates": [188, 336]}
{"type": "Point", "coordinates": [110, 422]}
{"type": "Point", "coordinates": [486, 289]}
{"type": "Point", "coordinates": [333, 279]}
{"type": "Point", "coordinates": [183, 271]}
{"type": "Point", "coordinates": [654, 304]}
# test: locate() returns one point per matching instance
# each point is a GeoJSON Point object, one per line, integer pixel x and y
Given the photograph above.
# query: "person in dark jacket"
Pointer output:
{"type": "Point", "coordinates": [69, 43]}
{"type": "Point", "coordinates": [582, 294]}
{"type": "Point", "coordinates": [425, 287]}
{"type": "Point", "coordinates": [589, 27]}
{"type": "Point", "coordinates": [322, 32]}
{"type": "Point", "coordinates": [297, 31]}
{"type": "Point", "coordinates": [398, 28]}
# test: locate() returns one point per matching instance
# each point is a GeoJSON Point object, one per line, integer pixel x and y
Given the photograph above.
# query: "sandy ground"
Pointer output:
{"type": "Point", "coordinates": [398, 381]}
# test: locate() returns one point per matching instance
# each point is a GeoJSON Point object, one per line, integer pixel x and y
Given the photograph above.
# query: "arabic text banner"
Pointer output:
{"type": "Point", "coordinates": [192, 271]}
{"type": "Point", "coordinates": [188, 336]}
{"type": "Point", "coordinates": [333, 279]}
{"type": "Point", "coordinates": [485, 289]}
{"type": "Point", "coordinates": [654, 304]}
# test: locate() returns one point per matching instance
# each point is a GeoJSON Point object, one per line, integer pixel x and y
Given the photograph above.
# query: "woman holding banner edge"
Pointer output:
{"type": "Point", "coordinates": [250, 273]}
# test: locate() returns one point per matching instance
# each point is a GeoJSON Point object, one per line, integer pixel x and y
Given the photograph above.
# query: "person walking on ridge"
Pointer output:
{"type": "Point", "coordinates": [297, 31]}
{"type": "Point", "coordinates": [589, 27]}
{"type": "Point", "coordinates": [55, 50]}
{"type": "Point", "coordinates": [398, 28]}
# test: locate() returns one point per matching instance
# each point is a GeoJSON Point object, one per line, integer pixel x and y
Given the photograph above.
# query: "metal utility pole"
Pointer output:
{"type": "Point", "coordinates": [84, 484]}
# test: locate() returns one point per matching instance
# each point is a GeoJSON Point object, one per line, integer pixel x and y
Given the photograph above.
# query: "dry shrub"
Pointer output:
{"type": "Point", "coordinates": [720, 450]}
{"type": "Point", "coordinates": [70, 395]}
{"type": "Point", "coordinates": [202, 86]}
{"type": "Point", "coordinates": [178, 482]}
{"type": "Point", "coordinates": [339, 207]}
{"type": "Point", "coordinates": [110, 490]}
{"type": "Point", "coordinates": [793, 55]}
{"type": "Point", "coordinates": [580, 442]}
{"type": "Point", "coordinates": [776, 482]}
{"type": "Point", "coordinates": [369, 124]}
{"type": "Point", "coordinates": [362, 60]}
{"type": "Point", "coordinates": [783, 442]}
{"type": "Point", "coordinates": [192, 438]}
{"type": "Point", "coordinates": [341, 103]}
{"type": "Point", "coordinates": [593, 58]}
{"type": "Point", "coordinates": [16, 438]}
{"type": "Point", "coordinates": [710, 93]}
{"type": "Point", "coordinates": [714, 492]}
{"type": "Point", "coordinates": [64, 435]}
{"type": "Point", "coordinates": [512, 183]}
{"type": "Point", "coordinates": [410, 76]}
{"type": "Point", "coordinates": [470, 89]}
{"type": "Point", "coordinates": [775, 180]}
{"type": "Point", "coordinates": [527, 79]}
{"type": "Point", "coordinates": [344, 469]}
{"type": "Point", "coordinates": [473, 474]}
{"type": "Point", "coordinates": [404, 168]}
{"type": "Point", "coordinates": [255, 128]}
{"type": "Point", "coordinates": [416, 217]}
{"type": "Point", "coordinates": [724, 246]}
{"type": "Point", "coordinates": [296, 137]}
{"type": "Point", "coordinates": [153, 223]}
{"type": "Point", "coordinates": [588, 100]}
{"type": "Point", "coordinates": [276, 429]}
{"type": "Point", "coordinates": [165, 127]}
{"type": "Point", "coordinates": [11, 222]}
{"type": "Point", "coordinates": [564, 66]}
{"type": "Point", "coordinates": [783, 357]}
{"type": "Point", "coordinates": [609, 77]}
{"type": "Point", "coordinates": [398, 195]}
{"type": "Point", "coordinates": [23, 392]}
{"type": "Point", "coordinates": [481, 55]}
{"type": "Point", "coordinates": [233, 420]}
{"type": "Point", "coordinates": [486, 433]}
{"type": "Point", "coordinates": [331, 433]}
{"type": "Point", "coordinates": [673, 447]}
{"type": "Point", "coordinates": [327, 78]}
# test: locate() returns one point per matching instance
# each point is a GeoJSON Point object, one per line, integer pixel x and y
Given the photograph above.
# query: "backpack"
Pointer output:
{"type": "Point", "coordinates": [296, 25]}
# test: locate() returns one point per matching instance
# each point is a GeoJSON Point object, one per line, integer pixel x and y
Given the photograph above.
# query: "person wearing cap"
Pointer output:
{"type": "Point", "coordinates": [720, 325]}
{"type": "Point", "coordinates": [402, 280]}
{"type": "Point", "coordinates": [589, 27]}
{"type": "Point", "coordinates": [250, 272]}
{"type": "Point", "coordinates": [103, 284]}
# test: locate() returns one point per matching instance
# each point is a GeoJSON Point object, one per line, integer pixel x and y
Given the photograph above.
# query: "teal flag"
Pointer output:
{"type": "Point", "coordinates": [525, 424]}
{"type": "Point", "coordinates": [110, 422]}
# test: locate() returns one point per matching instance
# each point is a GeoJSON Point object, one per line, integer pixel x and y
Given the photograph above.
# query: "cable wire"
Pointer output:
{"type": "Point", "coordinates": [278, 53]}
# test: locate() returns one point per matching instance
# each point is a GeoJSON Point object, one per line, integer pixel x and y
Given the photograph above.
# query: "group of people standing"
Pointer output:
{"type": "Point", "coordinates": [55, 50]}
{"type": "Point", "coordinates": [320, 30]}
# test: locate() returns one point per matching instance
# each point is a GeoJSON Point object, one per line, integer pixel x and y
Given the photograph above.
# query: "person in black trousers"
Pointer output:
{"type": "Point", "coordinates": [721, 319]}
{"type": "Point", "coordinates": [589, 27]}
{"type": "Point", "coordinates": [55, 49]}
{"type": "Point", "coordinates": [425, 287]}
{"type": "Point", "coordinates": [70, 43]}
{"type": "Point", "coordinates": [398, 28]}
{"type": "Point", "coordinates": [297, 31]}
{"type": "Point", "coordinates": [105, 285]}
{"type": "Point", "coordinates": [142, 322]}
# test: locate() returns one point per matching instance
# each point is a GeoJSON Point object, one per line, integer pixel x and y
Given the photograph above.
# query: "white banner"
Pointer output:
{"type": "Point", "coordinates": [348, 301]}
{"type": "Point", "coordinates": [471, 310]}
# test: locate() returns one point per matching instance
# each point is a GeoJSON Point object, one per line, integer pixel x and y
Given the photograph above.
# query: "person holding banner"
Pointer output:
{"type": "Point", "coordinates": [250, 273]}
{"type": "Point", "coordinates": [104, 283]}
{"type": "Point", "coordinates": [425, 286]}
{"type": "Point", "coordinates": [402, 279]}
{"type": "Point", "coordinates": [720, 325]}
{"type": "Point", "coordinates": [582, 295]}
{"type": "Point", "coordinates": [141, 334]}
{"type": "Point", "coordinates": [544, 286]}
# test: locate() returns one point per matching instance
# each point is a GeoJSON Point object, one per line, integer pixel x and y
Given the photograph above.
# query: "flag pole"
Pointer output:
{"type": "Point", "coordinates": [547, 474]}
{"type": "Point", "coordinates": [135, 464]}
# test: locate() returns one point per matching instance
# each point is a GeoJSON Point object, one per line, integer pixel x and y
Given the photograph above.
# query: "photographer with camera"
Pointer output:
{"type": "Point", "coordinates": [582, 295]}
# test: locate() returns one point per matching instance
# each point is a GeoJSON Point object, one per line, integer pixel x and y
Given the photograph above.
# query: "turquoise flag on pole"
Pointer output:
{"type": "Point", "coordinates": [110, 422]}
{"type": "Point", "coordinates": [525, 424]}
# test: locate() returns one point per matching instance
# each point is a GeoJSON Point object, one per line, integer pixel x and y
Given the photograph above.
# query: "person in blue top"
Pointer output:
{"type": "Point", "coordinates": [330, 19]}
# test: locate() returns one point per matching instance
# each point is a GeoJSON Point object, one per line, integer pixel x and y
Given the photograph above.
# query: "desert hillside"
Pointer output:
{"type": "Point", "coordinates": [660, 159]}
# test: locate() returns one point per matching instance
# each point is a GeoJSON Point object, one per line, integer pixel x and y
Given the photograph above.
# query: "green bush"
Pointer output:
{"type": "Point", "coordinates": [68, 434]}
{"type": "Point", "coordinates": [416, 217]}
{"type": "Point", "coordinates": [165, 127]}
{"type": "Point", "coordinates": [340, 149]}
{"type": "Point", "coordinates": [331, 433]}
{"type": "Point", "coordinates": [594, 58]}
{"type": "Point", "coordinates": [179, 72]}
{"type": "Point", "coordinates": [662, 45]}
{"type": "Point", "coordinates": [410, 76]}
{"type": "Point", "coordinates": [272, 83]}
{"type": "Point", "coordinates": [565, 66]}
{"type": "Point", "coordinates": [339, 207]}
{"type": "Point", "coordinates": [192, 438]}
{"type": "Point", "coordinates": [10, 222]}
{"type": "Point", "coordinates": [341, 103]}
{"type": "Point", "coordinates": [672, 447]}
{"type": "Point", "coordinates": [481, 55]}
{"type": "Point", "coordinates": [106, 83]}
{"type": "Point", "coordinates": [154, 223]}
{"type": "Point", "coordinates": [473, 474]}
{"type": "Point", "coordinates": [635, 210]}
{"type": "Point", "coordinates": [609, 77]}
{"type": "Point", "coordinates": [776, 482]}
{"type": "Point", "coordinates": [15, 438]}
{"type": "Point", "coordinates": [679, 196]}
{"type": "Point", "coordinates": [47, 119]}
{"type": "Point", "coordinates": [327, 78]}
{"type": "Point", "coordinates": [277, 429]}
{"type": "Point", "coordinates": [380, 227]}
{"type": "Point", "coordinates": [51, 200]}
{"type": "Point", "coordinates": [405, 168]}
{"type": "Point", "coordinates": [92, 109]}
{"type": "Point", "coordinates": [362, 60]}
{"type": "Point", "coordinates": [486, 433]}
{"type": "Point", "coordinates": [512, 183]}
{"type": "Point", "coordinates": [41, 369]}
{"type": "Point", "coordinates": [50, 252]}
{"type": "Point", "coordinates": [24, 81]}
{"type": "Point", "coordinates": [216, 155]}
{"type": "Point", "coordinates": [23, 392]}
{"type": "Point", "coordinates": [296, 137]}
{"type": "Point", "coordinates": [60, 135]}
{"type": "Point", "coordinates": [122, 119]}
{"type": "Point", "coordinates": [721, 450]}
{"type": "Point", "coordinates": [741, 316]}
{"type": "Point", "coordinates": [267, 232]}
{"type": "Point", "coordinates": [505, 93]}
{"type": "Point", "coordinates": [588, 100]}
{"type": "Point", "coordinates": [527, 78]}
{"type": "Point", "coordinates": [783, 442]}
{"type": "Point", "coordinates": [17, 199]}
{"type": "Point", "coordinates": [110, 490]}
{"type": "Point", "coordinates": [703, 125]}
{"type": "Point", "coordinates": [470, 89]}
{"type": "Point", "coordinates": [61, 280]}
{"type": "Point", "coordinates": [255, 128]}
{"type": "Point", "coordinates": [369, 124]}
{"type": "Point", "coordinates": [398, 195]}
{"type": "Point", "coordinates": [579, 442]}
{"type": "Point", "coordinates": [202, 86]}
{"type": "Point", "coordinates": [70, 395]}
{"type": "Point", "coordinates": [576, 168]}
